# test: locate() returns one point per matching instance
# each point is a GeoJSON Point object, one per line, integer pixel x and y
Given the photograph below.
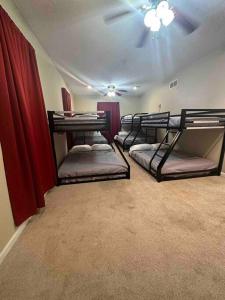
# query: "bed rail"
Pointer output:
{"type": "Point", "coordinates": [64, 121]}
{"type": "Point", "coordinates": [202, 118]}
{"type": "Point", "coordinates": [156, 120]}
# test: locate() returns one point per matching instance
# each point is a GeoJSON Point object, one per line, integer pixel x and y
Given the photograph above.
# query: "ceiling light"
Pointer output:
{"type": "Point", "coordinates": [156, 25]}
{"type": "Point", "coordinates": [162, 9]}
{"type": "Point", "coordinates": [111, 94]}
{"type": "Point", "coordinates": [150, 17]}
{"type": "Point", "coordinates": [135, 88]}
{"type": "Point", "coordinates": [152, 21]}
{"type": "Point", "coordinates": [89, 87]}
{"type": "Point", "coordinates": [168, 18]}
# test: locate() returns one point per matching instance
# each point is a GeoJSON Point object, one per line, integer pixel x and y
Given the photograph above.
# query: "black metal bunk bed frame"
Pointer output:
{"type": "Point", "coordinates": [70, 128]}
{"type": "Point", "coordinates": [135, 127]}
{"type": "Point", "coordinates": [162, 121]}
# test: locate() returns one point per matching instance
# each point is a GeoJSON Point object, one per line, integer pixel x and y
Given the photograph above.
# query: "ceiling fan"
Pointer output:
{"type": "Point", "coordinates": [112, 91]}
{"type": "Point", "coordinates": [157, 13]}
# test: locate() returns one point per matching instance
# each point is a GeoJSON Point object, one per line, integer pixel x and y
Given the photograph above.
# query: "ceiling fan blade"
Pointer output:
{"type": "Point", "coordinates": [118, 94]}
{"type": "Point", "coordinates": [187, 24]}
{"type": "Point", "coordinates": [110, 18]}
{"type": "Point", "coordinates": [143, 39]}
{"type": "Point", "coordinates": [123, 91]}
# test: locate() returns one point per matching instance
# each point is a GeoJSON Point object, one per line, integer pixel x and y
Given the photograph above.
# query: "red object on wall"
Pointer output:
{"type": "Point", "coordinates": [24, 133]}
{"type": "Point", "coordinates": [67, 106]}
{"type": "Point", "coordinates": [67, 103]}
{"type": "Point", "coordinates": [114, 108]}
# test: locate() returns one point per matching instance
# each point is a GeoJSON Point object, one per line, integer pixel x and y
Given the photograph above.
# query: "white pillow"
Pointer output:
{"type": "Point", "coordinates": [81, 148]}
{"type": "Point", "coordinates": [123, 133]}
{"type": "Point", "coordinates": [140, 147]}
{"type": "Point", "coordinates": [143, 147]}
{"type": "Point", "coordinates": [101, 147]}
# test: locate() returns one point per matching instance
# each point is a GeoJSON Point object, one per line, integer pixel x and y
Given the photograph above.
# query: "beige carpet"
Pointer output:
{"type": "Point", "coordinates": [134, 239]}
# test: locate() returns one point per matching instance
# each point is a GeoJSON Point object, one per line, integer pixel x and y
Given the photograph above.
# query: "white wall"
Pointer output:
{"type": "Point", "coordinates": [52, 83]}
{"type": "Point", "coordinates": [127, 104]}
{"type": "Point", "coordinates": [202, 85]}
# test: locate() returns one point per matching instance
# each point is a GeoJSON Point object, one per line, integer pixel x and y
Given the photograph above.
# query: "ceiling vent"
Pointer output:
{"type": "Point", "coordinates": [173, 84]}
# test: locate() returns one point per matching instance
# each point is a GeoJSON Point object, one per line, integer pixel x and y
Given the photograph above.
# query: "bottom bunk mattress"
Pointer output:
{"type": "Point", "coordinates": [130, 140]}
{"type": "Point", "coordinates": [90, 165]}
{"type": "Point", "coordinates": [176, 163]}
{"type": "Point", "coordinates": [89, 138]}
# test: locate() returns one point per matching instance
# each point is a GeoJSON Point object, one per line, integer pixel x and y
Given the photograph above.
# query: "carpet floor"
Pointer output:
{"type": "Point", "coordinates": [134, 239]}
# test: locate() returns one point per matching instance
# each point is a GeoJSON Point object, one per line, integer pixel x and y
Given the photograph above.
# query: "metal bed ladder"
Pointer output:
{"type": "Point", "coordinates": [169, 146]}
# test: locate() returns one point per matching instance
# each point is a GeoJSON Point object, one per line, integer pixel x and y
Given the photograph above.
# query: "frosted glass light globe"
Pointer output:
{"type": "Point", "coordinates": [150, 18]}
{"type": "Point", "coordinates": [162, 9]}
{"type": "Point", "coordinates": [156, 24]}
{"type": "Point", "coordinates": [111, 94]}
{"type": "Point", "coordinates": [168, 18]}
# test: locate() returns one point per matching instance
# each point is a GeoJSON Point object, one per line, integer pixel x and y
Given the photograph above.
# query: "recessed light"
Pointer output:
{"type": "Point", "coordinates": [89, 87]}
{"type": "Point", "coordinates": [135, 88]}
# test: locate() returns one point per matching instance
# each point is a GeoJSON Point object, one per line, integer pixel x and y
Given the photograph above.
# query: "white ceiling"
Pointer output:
{"type": "Point", "coordinates": [75, 36]}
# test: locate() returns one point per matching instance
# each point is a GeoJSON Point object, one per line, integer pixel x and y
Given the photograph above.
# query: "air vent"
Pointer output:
{"type": "Point", "coordinates": [173, 84]}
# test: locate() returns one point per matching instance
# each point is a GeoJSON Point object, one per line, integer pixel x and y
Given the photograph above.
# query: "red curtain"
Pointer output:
{"type": "Point", "coordinates": [67, 106]}
{"type": "Point", "coordinates": [67, 103]}
{"type": "Point", "coordinates": [24, 133]}
{"type": "Point", "coordinates": [114, 108]}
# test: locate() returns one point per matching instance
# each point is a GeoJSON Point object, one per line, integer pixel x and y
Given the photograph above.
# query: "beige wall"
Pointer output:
{"type": "Point", "coordinates": [202, 85]}
{"type": "Point", "coordinates": [7, 227]}
{"type": "Point", "coordinates": [127, 104]}
{"type": "Point", "coordinates": [51, 83]}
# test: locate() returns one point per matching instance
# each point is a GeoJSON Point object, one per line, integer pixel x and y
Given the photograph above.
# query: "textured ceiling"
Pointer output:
{"type": "Point", "coordinates": [75, 36]}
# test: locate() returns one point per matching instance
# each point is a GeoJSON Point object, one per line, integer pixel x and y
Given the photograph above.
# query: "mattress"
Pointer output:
{"type": "Point", "coordinates": [91, 163]}
{"type": "Point", "coordinates": [129, 140]}
{"type": "Point", "coordinates": [90, 140]}
{"type": "Point", "coordinates": [80, 124]}
{"type": "Point", "coordinates": [177, 162]}
{"type": "Point", "coordinates": [174, 122]}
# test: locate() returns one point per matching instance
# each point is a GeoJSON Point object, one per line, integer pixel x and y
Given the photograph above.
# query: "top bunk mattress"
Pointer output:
{"type": "Point", "coordinates": [91, 163]}
{"type": "Point", "coordinates": [177, 162]}
{"type": "Point", "coordinates": [80, 124]}
{"type": "Point", "coordinates": [175, 122]}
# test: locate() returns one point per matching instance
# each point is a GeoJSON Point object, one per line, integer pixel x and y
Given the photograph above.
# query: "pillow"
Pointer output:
{"type": "Point", "coordinates": [97, 133]}
{"type": "Point", "coordinates": [140, 147]}
{"type": "Point", "coordinates": [144, 147]}
{"type": "Point", "coordinates": [123, 133]}
{"type": "Point", "coordinates": [101, 147]}
{"type": "Point", "coordinates": [81, 148]}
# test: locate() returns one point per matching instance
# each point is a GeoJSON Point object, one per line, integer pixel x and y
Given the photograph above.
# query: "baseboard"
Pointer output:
{"type": "Point", "coordinates": [12, 241]}
{"type": "Point", "coordinates": [223, 174]}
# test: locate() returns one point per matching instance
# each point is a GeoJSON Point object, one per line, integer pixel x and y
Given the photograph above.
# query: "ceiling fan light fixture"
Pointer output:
{"type": "Point", "coordinates": [162, 9]}
{"type": "Point", "coordinates": [152, 21]}
{"type": "Point", "coordinates": [150, 17]}
{"type": "Point", "coordinates": [111, 94]}
{"type": "Point", "coordinates": [156, 25]}
{"type": "Point", "coordinates": [168, 18]}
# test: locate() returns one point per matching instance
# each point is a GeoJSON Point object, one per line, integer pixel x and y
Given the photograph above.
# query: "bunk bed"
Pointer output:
{"type": "Point", "coordinates": [163, 161]}
{"type": "Point", "coordinates": [131, 132]}
{"type": "Point", "coordinates": [85, 163]}
{"type": "Point", "coordinates": [89, 138]}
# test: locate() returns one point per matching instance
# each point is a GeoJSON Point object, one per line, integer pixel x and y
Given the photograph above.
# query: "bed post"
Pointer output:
{"type": "Point", "coordinates": [167, 154]}
{"type": "Point", "coordinates": [220, 166]}
{"type": "Point", "coordinates": [51, 128]}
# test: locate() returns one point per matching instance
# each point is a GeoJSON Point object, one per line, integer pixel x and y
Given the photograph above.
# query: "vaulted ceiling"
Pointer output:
{"type": "Point", "coordinates": [74, 34]}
